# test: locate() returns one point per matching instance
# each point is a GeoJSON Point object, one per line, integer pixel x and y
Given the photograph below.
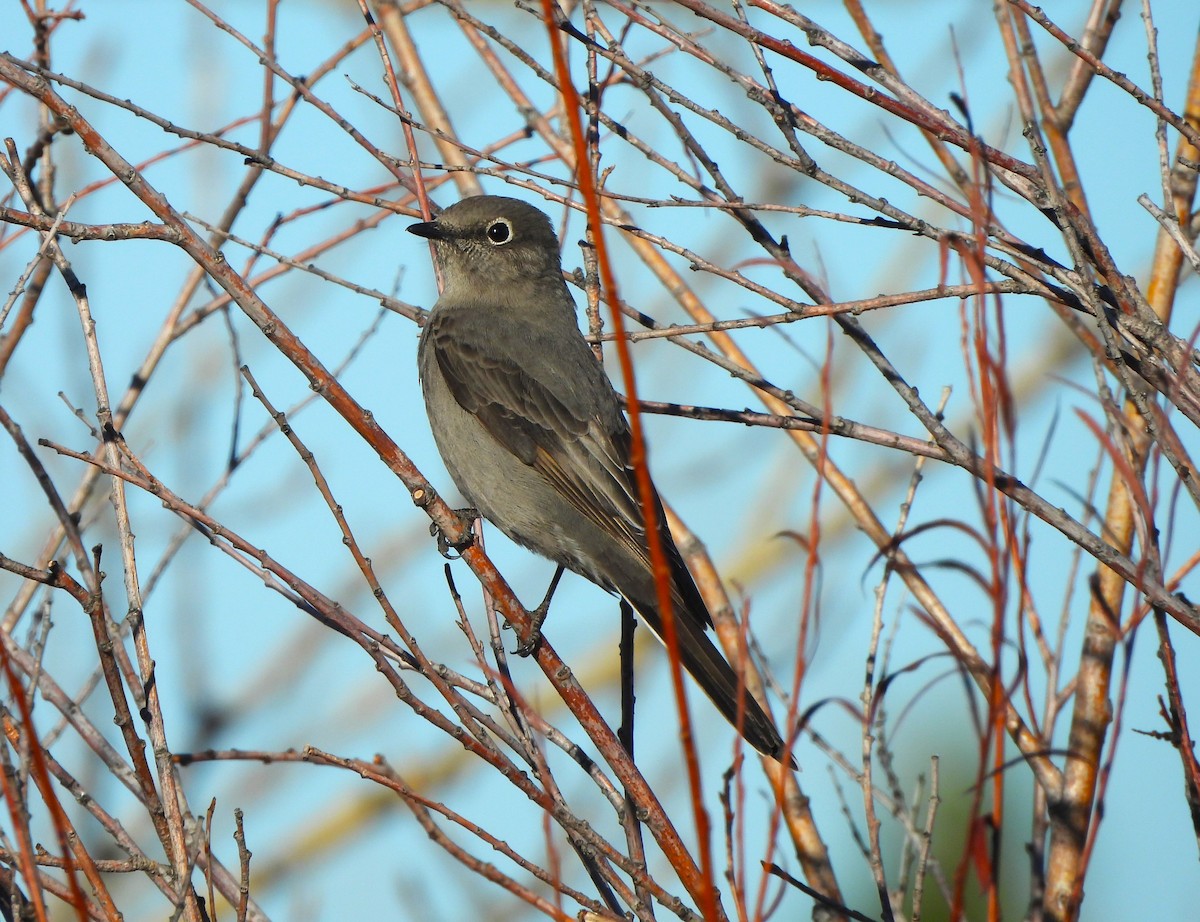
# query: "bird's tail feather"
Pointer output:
{"type": "Point", "coordinates": [704, 662]}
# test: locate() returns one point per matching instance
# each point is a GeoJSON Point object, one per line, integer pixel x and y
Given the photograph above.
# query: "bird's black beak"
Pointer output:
{"type": "Point", "coordinates": [427, 229]}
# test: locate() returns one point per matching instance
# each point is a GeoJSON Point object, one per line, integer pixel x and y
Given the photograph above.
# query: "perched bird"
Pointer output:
{"type": "Point", "coordinates": [534, 435]}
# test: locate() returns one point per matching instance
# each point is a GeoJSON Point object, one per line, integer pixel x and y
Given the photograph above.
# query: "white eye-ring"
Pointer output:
{"type": "Point", "coordinates": [500, 232]}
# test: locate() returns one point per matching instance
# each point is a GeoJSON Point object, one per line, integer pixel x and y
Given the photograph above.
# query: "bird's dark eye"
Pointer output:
{"type": "Point", "coordinates": [500, 231]}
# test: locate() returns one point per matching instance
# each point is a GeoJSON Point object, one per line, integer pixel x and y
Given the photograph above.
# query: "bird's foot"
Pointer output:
{"type": "Point", "coordinates": [452, 550]}
{"type": "Point", "coordinates": [537, 618]}
{"type": "Point", "coordinates": [533, 638]}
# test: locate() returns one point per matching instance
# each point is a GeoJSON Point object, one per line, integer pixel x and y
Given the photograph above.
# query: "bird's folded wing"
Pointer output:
{"type": "Point", "coordinates": [571, 431]}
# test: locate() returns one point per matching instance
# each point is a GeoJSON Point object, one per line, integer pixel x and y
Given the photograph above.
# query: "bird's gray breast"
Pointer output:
{"type": "Point", "coordinates": [506, 490]}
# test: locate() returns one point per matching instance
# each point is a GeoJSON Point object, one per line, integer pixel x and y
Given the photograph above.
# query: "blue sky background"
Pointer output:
{"type": "Point", "coordinates": [228, 649]}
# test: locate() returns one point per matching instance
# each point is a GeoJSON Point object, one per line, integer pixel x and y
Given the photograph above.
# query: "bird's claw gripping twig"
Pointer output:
{"type": "Point", "coordinates": [537, 618]}
{"type": "Point", "coordinates": [452, 550]}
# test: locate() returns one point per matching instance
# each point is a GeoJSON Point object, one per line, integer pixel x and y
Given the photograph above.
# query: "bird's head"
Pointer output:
{"type": "Point", "coordinates": [490, 240]}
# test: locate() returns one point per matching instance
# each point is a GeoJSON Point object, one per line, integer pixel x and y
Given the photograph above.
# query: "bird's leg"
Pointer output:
{"type": "Point", "coordinates": [445, 545]}
{"type": "Point", "coordinates": [537, 618]}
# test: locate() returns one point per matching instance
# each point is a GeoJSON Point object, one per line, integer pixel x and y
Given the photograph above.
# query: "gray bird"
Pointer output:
{"type": "Point", "coordinates": [533, 433]}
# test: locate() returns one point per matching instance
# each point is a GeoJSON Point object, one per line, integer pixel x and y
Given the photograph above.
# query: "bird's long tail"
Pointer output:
{"type": "Point", "coordinates": [704, 662]}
